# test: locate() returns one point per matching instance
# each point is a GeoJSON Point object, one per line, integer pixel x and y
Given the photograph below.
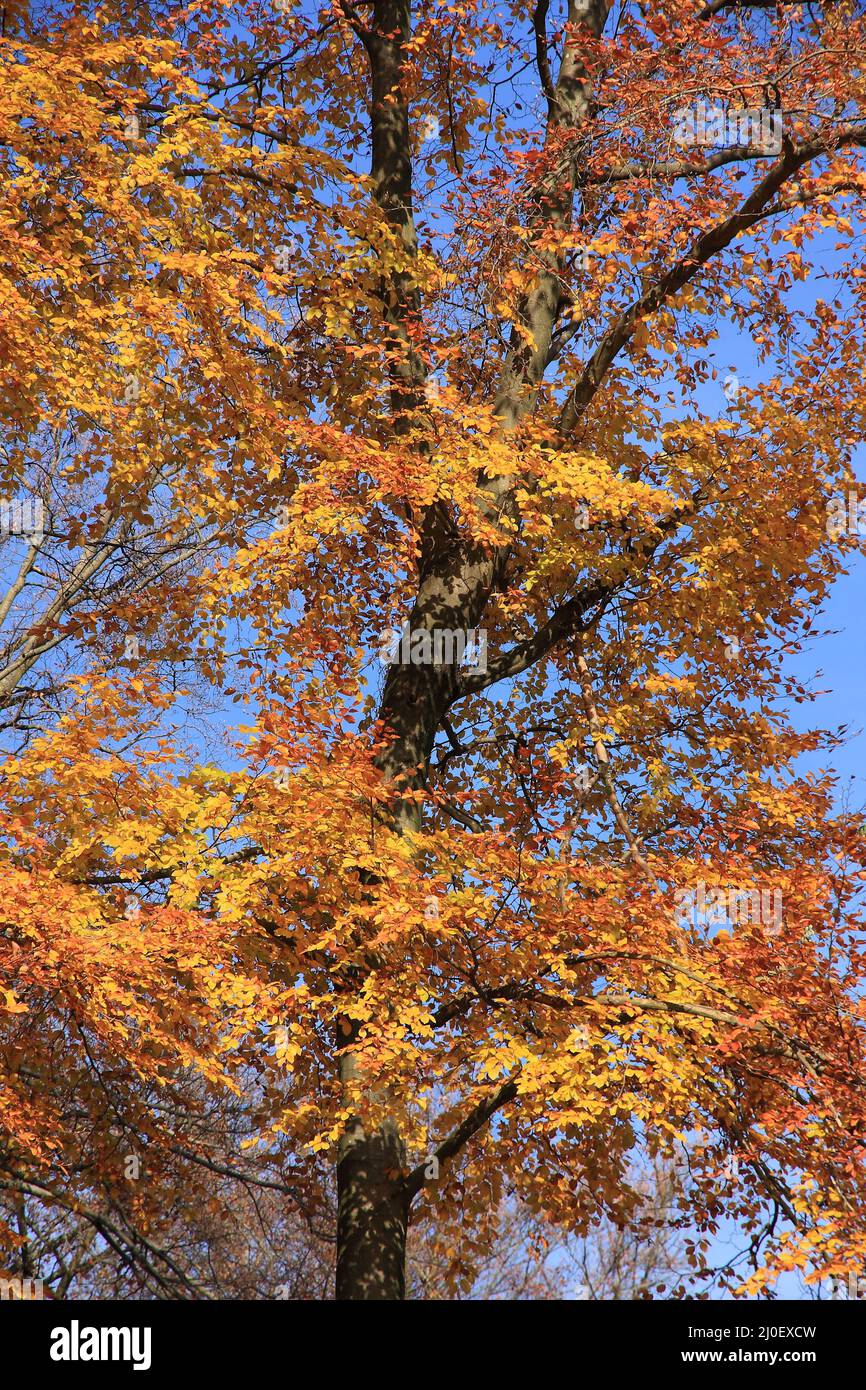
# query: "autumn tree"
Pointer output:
{"type": "Point", "coordinates": [380, 347]}
{"type": "Point", "coordinates": [521, 1257]}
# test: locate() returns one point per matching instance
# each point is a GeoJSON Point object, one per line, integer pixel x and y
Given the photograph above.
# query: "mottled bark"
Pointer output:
{"type": "Point", "coordinates": [456, 578]}
{"type": "Point", "coordinates": [372, 1201]}
{"type": "Point", "coordinates": [372, 1209]}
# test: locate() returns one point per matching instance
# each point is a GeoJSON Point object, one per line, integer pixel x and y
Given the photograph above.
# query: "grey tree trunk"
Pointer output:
{"type": "Point", "coordinates": [372, 1216]}
{"type": "Point", "coordinates": [455, 580]}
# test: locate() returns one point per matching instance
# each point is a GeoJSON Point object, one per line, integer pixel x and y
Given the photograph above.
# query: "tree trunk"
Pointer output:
{"type": "Point", "coordinates": [372, 1219]}
{"type": "Point", "coordinates": [455, 578]}
{"type": "Point", "coordinates": [373, 1204]}
{"type": "Point", "coordinates": [372, 1211]}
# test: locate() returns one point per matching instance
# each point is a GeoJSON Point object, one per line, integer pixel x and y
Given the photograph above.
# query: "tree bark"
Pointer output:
{"type": "Point", "coordinates": [455, 580]}
{"type": "Point", "coordinates": [371, 1195]}
{"type": "Point", "coordinates": [372, 1213]}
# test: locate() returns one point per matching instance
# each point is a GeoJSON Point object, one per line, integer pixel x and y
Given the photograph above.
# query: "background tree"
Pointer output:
{"type": "Point", "coordinates": [244, 1240]}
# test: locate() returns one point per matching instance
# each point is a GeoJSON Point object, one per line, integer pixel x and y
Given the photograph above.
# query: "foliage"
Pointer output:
{"type": "Point", "coordinates": [277, 402]}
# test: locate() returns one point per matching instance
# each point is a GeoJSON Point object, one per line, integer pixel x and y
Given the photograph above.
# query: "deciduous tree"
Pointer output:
{"type": "Point", "coordinates": [377, 350]}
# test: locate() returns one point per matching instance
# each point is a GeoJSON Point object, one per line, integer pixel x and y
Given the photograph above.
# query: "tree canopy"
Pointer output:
{"type": "Point", "coordinates": [420, 430]}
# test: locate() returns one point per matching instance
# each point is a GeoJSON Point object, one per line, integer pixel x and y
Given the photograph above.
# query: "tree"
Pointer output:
{"type": "Point", "coordinates": [521, 1257]}
{"type": "Point", "coordinates": [534, 883]}
{"type": "Point", "coordinates": [247, 1242]}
